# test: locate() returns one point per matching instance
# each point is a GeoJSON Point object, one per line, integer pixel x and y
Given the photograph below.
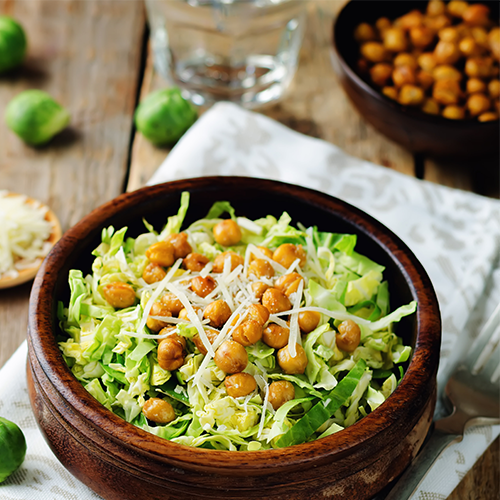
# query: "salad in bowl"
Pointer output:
{"type": "Point", "coordinates": [232, 333]}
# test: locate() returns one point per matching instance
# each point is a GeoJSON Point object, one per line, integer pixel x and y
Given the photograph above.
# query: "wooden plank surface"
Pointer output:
{"type": "Point", "coordinates": [79, 54]}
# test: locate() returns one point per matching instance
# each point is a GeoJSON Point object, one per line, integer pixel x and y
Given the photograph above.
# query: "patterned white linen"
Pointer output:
{"type": "Point", "coordinates": [455, 234]}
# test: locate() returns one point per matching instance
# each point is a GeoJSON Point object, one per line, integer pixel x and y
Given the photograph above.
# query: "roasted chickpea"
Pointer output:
{"type": "Point", "coordinates": [390, 92]}
{"type": "Point", "coordinates": [364, 32]}
{"type": "Point", "coordinates": [259, 313]}
{"type": "Point", "coordinates": [382, 24]}
{"type": "Point", "coordinates": [203, 286]}
{"type": "Point", "coordinates": [437, 23]}
{"type": "Point", "coordinates": [475, 85]}
{"type": "Point", "coordinates": [436, 8]}
{"type": "Point", "coordinates": [427, 61]}
{"type": "Point", "coordinates": [480, 35]}
{"type": "Point", "coordinates": [288, 253]}
{"type": "Point", "coordinates": [161, 253]}
{"type": "Point", "coordinates": [158, 410]}
{"type": "Point", "coordinates": [494, 42]}
{"type": "Point", "coordinates": [292, 365]}
{"type": "Point", "coordinates": [160, 310]}
{"type": "Point", "coordinates": [476, 15]}
{"type": "Point", "coordinates": [170, 354]}
{"type": "Point", "coordinates": [449, 34]}
{"type": "Point", "coordinates": [430, 106]}
{"type": "Point", "coordinates": [477, 104]}
{"type": "Point", "coordinates": [468, 47]}
{"type": "Point", "coordinates": [172, 303]}
{"type": "Point", "coordinates": [195, 262]}
{"type": "Point", "coordinates": [380, 73]}
{"type": "Point", "coordinates": [275, 336]}
{"type": "Point", "coordinates": [410, 20]}
{"type": "Point", "coordinates": [421, 36]}
{"type": "Point", "coordinates": [266, 251]}
{"type": "Point", "coordinates": [180, 243]}
{"type": "Point", "coordinates": [446, 72]}
{"type": "Point", "coordinates": [261, 268]}
{"type": "Point", "coordinates": [231, 357]}
{"type": "Point", "coordinates": [172, 335]}
{"type": "Point", "coordinates": [374, 51]}
{"type": "Point", "coordinates": [446, 52]}
{"type": "Point", "coordinates": [247, 333]}
{"type": "Point", "coordinates": [456, 8]}
{"type": "Point", "coordinates": [349, 335]}
{"type": "Point", "coordinates": [309, 321]}
{"type": "Point", "coordinates": [425, 79]}
{"type": "Point", "coordinates": [476, 67]}
{"type": "Point", "coordinates": [183, 314]}
{"type": "Point", "coordinates": [447, 92]}
{"type": "Point", "coordinates": [395, 40]}
{"type": "Point", "coordinates": [411, 95]}
{"type": "Point", "coordinates": [453, 112]}
{"type": "Point", "coordinates": [288, 283]}
{"type": "Point", "coordinates": [153, 273]}
{"type": "Point", "coordinates": [240, 384]}
{"type": "Point", "coordinates": [494, 89]}
{"type": "Point", "coordinates": [258, 288]}
{"type": "Point", "coordinates": [234, 259]}
{"type": "Point", "coordinates": [280, 392]}
{"type": "Point", "coordinates": [488, 116]}
{"type": "Point", "coordinates": [404, 75]}
{"type": "Point", "coordinates": [227, 233]}
{"type": "Point", "coordinates": [119, 295]}
{"type": "Point", "coordinates": [211, 335]}
{"type": "Point", "coordinates": [275, 301]}
{"type": "Point", "coordinates": [406, 59]}
{"type": "Point", "coordinates": [217, 313]}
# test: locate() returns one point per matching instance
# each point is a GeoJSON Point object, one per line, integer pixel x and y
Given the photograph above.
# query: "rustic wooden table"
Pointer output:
{"type": "Point", "coordinates": [92, 56]}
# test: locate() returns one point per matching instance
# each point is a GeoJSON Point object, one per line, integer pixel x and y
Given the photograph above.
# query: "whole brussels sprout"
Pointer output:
{"type": "Point", "coordinates": [12, 44]}
{"type": "Point", "coordinates": [12, 448]}
{"type": "Point", "coordinates": [164, 116]}
{"type": "Point", "coordinates": [35, 117]}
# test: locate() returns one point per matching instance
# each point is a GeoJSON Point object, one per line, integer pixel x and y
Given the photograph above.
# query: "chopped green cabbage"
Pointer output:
{"type": "Point", "coordinates": [114, 354]}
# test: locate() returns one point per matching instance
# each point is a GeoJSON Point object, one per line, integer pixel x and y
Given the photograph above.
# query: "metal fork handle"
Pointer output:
{"type": "Point", "coordinates": [409, 481]}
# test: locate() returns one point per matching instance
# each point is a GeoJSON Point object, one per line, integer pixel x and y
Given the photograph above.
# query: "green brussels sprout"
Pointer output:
{"type": "Point", "coordinates": [35, 117]}
{"type": "Point", "coordinates": [164, 116]}
{"type": "Point", "coordinates": [12, 448]}
{"type": "Point", "coordinates": [12, 44]}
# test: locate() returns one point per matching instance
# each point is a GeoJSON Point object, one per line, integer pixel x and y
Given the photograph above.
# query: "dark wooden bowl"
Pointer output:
{"type": "Point", "coordinates": [420, 133]}
{"type": "Point", "coordinates": [120, 461]}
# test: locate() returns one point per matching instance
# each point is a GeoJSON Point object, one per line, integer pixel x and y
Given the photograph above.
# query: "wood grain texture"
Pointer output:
{"type": "Point", "coordinates": [315, 105]}
{"type": "Point", "coordinates": [78, 53]}
{"type": "Point", "coordinates": [479, 176]}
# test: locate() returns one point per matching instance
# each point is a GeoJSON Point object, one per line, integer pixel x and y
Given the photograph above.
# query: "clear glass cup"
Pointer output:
{"type": "Point", "coordinates": [244, 51]}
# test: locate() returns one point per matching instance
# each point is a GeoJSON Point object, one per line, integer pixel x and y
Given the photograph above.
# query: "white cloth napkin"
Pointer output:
{"type": "Point", "coordinates": [455, 234]}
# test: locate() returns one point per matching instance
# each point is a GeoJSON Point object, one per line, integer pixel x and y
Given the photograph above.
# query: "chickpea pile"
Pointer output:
{"type": "Point", "coordinates": [444, 61]}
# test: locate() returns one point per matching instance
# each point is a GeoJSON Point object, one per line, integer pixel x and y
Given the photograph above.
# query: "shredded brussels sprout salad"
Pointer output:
{"type": "Point", "coordinates": [234, 334]}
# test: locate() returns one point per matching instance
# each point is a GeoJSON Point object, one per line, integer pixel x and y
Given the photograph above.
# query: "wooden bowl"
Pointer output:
{"type": "Point", "coordinates": [420, 133]}
{"type": "Point", "coordinates": [120, 461]}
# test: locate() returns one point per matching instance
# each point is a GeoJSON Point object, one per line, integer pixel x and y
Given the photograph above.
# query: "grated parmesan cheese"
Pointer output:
{"type": "Point", "coordinates": [24, 234]}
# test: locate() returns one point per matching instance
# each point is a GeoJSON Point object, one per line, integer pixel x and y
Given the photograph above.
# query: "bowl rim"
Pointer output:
{"type": "Point", "coordinates": [418, 379]}
{"type": "Point", "coordinates": [406, 110]}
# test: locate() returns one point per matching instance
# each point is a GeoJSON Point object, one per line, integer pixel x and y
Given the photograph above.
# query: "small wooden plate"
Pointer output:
{"type": "Point", "coordinates": [29, 273]}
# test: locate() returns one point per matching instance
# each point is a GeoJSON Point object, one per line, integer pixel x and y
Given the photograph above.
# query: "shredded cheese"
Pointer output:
{"type": "Point", "coordinates": [161, 285]}
{"type": "Point", "coordinates": [294, 336]}
{"type": "Point", "coordinates": [24, 232]}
